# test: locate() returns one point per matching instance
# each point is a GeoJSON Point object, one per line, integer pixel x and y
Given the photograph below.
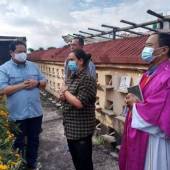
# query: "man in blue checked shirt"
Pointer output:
{"type": "Point", "coordinates": [21, 82]}
{"type": "Point", "coordinates": [78, 43]}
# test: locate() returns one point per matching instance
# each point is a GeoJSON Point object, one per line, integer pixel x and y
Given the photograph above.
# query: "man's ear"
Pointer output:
{"type": "Point", "coordinates": [165, 50]}
{"type": "Point", "coordinates": [11, 53]}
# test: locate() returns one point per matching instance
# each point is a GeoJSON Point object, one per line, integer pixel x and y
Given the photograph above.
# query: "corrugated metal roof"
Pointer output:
{"type": "Point", "coordinates": [119, 51]}
{"type": "Point", "coordinates": [35, 55]}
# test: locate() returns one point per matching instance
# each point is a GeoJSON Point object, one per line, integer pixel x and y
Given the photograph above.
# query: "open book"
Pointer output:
{"type": "Point", "coordinates": [136, 90]}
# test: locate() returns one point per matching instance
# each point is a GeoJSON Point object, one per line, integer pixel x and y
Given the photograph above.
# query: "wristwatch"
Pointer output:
{"type": "Point", "coordinates": [38, 84]}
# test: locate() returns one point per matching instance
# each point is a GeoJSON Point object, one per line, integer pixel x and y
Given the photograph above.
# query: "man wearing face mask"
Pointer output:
{"type": "Point", "coordinates": [21, 82]}
{"type": "Point", "coordinates": [146, 139]}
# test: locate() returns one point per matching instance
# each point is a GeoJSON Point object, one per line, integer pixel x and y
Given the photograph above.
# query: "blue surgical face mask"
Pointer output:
{"type": "Point", "coordinates": [147, 54]}
{"type": "Point", "coordinates": [72, 66]}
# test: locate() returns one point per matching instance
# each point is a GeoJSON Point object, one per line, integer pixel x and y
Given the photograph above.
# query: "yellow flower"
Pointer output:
{"type": "Point", "coordinates": [3, 114]}
{"type": "Point", "coordinates": [17, 155]}
{"type": "Point", "coordinates": [3, 167]}
{"type": "Point", "coordinates": [10, 135]}
{"type": "Point", "coordinates": [8, 132]}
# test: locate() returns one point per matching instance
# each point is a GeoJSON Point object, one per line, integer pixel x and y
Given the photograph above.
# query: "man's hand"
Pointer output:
{"type": "Point", "coordinates": [29, 84]}
{"type": "Point", "coordinates": [130, 99]}
{"type": "Point", "coordinates": [20, 86]}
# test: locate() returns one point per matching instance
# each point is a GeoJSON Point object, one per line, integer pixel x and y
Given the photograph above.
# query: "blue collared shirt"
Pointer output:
{"type": "Point", "coordinates": [91, 69]}
{"type": "Point", "coordinates": [24, 103]}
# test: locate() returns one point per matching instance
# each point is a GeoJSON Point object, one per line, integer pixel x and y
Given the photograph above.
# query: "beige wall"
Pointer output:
{"type": "Point", "coordinates": [109, 93]}
{"type": "Point", "coordinates": [110, 96]}
{"type": "Point", "coordinates": [54, 74]}
{"type": "Point", "coordinates": [109, 80]}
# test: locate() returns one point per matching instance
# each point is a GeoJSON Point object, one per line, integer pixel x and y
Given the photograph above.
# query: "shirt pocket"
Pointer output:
{"type": "Point", "coordinates": [32, 76]}
{"type": "Point", "coordinates": [15, 80]}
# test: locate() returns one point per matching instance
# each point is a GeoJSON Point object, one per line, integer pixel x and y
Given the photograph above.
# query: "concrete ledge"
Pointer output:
{"type": "Point", "coordinates": [115, 122]}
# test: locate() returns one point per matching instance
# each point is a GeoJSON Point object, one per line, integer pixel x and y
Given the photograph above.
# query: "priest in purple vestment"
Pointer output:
{"type": "Point", "coordinates": [146, 139]}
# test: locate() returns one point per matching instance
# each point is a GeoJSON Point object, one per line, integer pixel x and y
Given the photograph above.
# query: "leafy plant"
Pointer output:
{"type": "Point", "coordinates": [9, 158]}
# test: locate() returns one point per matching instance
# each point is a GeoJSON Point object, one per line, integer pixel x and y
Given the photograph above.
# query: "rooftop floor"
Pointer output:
{"type": "Point", "coordinates": [54, 154]}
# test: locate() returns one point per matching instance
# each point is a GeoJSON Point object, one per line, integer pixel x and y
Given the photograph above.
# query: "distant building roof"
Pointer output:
{"type": "Point", "coordinates": [119, 51]}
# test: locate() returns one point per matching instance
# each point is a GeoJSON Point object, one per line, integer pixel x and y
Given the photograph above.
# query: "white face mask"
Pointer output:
{"type": "Point", "coordinates": [21, 57]}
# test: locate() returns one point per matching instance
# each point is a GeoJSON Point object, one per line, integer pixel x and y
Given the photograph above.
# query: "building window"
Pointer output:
{"type": "Point", "coordinates": [58, 85]}
{"type": "Point", "coordinates": [108, 80]}
{"type": "Point", "coordinates": [58, 75]}
{"type": "Point", "coordinates": [62, 72]}
{"type": "Point", "coordinates": [97, 77]}
{"type": "Point", "coordinates": [109, 105]}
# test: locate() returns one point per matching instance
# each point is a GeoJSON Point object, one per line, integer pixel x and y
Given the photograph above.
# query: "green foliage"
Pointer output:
{"type": "Point", "coordinates": [9, 158]}
{"type": "Point", "coordinates": [98, 140]}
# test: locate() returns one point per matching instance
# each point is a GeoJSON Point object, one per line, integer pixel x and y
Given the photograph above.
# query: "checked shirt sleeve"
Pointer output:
{"type": "Point", "coordinates": [87, 91]}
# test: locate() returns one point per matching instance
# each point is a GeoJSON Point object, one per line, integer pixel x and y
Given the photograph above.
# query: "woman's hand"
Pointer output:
{"type": "Point", "coordinates": [130, 99]}
{"type": "Point", "coordinates": [63, 89]}
{"type": "Point", "coordinates": [62, 97]}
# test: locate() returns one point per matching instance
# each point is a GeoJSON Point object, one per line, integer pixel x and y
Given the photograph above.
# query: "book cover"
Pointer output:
{"type": "Point", "coordinates": [136, 90]}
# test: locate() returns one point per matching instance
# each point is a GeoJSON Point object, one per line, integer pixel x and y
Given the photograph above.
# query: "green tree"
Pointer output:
{"type": "Point", "coordinates": [31, 50]}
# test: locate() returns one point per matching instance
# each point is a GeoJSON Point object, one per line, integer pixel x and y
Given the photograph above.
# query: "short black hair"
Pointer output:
{"type": "Point", "coordinates": [80, 54]}
{"type": "Point", "coordinates": [12, 45]}
{"type": "Point", "coordinates": [80, 40]}
{"type": "Point", "coordinates": [164, 40]}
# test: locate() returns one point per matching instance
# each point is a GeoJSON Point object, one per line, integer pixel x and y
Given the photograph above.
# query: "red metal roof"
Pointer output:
{"type": "Point", "coordinates": [35, 55]}
{"type": "Point", "coordinates": [119, 51]}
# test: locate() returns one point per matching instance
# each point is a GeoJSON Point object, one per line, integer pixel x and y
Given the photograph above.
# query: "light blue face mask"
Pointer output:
{"type": "Point", "coordinates": [147, 54]}
{"type": "Point", "coordinates": [72, 66]}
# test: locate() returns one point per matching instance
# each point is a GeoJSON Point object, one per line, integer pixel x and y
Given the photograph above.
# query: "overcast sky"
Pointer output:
{"type": "Point", "coordinates": [43, 22]}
